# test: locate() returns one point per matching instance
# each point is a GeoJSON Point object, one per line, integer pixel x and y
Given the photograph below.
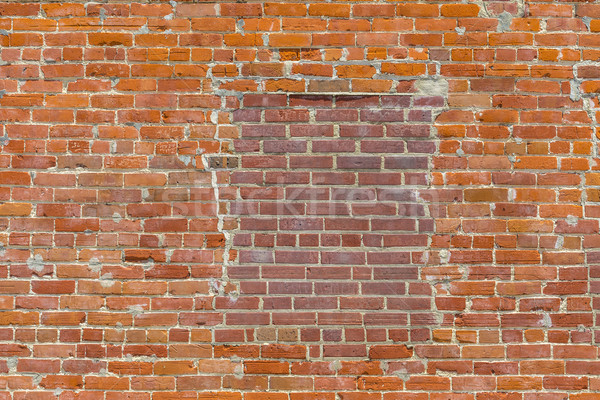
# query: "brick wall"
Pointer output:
{"type": "Point", "coordinates": [346, 200]}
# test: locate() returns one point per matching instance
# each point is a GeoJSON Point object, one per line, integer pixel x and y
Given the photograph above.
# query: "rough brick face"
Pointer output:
{"type": "Point", "coordinates": [344, 200]}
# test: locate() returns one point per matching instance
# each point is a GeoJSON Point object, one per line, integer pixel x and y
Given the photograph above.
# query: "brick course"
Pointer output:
{"type": "Point", "coordinates": [374, 200]}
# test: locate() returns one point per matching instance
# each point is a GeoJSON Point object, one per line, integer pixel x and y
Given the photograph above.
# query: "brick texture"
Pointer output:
{"type": "Point", "coordinates": [341, 200]}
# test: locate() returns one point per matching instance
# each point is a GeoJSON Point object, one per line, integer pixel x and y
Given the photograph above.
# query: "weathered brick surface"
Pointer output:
{"type": "Point", "coordinates": [344, 200]}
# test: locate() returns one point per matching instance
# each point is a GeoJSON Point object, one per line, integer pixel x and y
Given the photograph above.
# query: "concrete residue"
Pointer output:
{"type": "Point", "coordinates": [135, 310]}
{"type": "Point", "coordinates": [94, 265]}
{"type": "Point", "coordinates": [444, 256]}
{"type": "Point", "coordinates": [587, 21]}
{"type": "Point", "coordinates": [559, 242]}
{"type": "Point", "coordinates": [575, 94]}
{"type": "Point", "coordinates": [148, 264]}
{"type": "Point", "coordinates": [504, 21]}
{"type": "Point", "coordinates": [106, 280]}
{"type": "Point", "coordinates": [432, 87]}
{"type": "Point", "coordinates": [11, 363]}
{"type": "Point", "coordinates": [335, 366]}
{"type": "Point", "coordinates": [239, 26]}
{"type": "Point", "coordinates": [546, 321]}
{"type": "Point", "coordinates": [217, 287]}
{"type": "Point", "coordinates": [36, 263]}
{"type": "Point", "coordinates": [187, 160]}
{"type": "Point", "coordinates": [116, 217]}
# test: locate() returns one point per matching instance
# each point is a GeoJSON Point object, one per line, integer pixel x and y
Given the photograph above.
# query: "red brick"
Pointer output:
{"type": "Point", "coordinates": [281, 217]}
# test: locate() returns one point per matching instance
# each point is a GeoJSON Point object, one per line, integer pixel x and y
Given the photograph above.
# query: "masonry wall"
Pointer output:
{"type": "Point", "coordinates": [346, 200]}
